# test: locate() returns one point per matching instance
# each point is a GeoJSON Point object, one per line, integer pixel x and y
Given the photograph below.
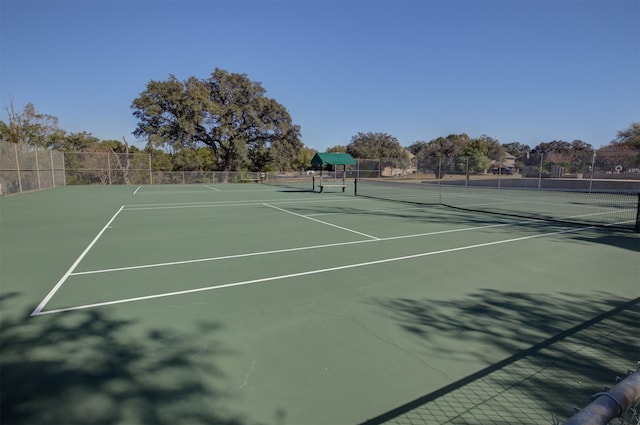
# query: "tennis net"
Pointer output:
{"type": "Point", "coordinates": [612, 209]}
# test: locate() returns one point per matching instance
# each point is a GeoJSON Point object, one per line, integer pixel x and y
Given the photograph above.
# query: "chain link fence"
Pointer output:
{"type": "Point", "coordinates": [25, 168]}
{"type": "Point", "coordinates": [542, 165]}
{"type": "Point", "coordinates": [107, 168]}
{"type": "Point", "coordinates": [540, 170]}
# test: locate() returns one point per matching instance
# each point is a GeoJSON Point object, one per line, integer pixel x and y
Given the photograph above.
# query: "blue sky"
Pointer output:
{"type": "Point", "coordinates": [516, 70]}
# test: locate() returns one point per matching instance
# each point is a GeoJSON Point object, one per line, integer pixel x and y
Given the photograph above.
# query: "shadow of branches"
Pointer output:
{"type": "Point", "coordinates": [437, 214]}
{"type": "Point", "coordinates": [88, 368]}
{"type": "Point", "coordinates": [571, 339]}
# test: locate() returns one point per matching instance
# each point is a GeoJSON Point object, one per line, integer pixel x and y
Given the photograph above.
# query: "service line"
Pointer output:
{"type": "Point", "coordinates": [283, 250]}
{"type": "Point", "coordinates": [306, 273]}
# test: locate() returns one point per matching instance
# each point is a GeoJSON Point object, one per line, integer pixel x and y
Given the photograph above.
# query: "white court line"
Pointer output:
{"type": "Point", "coordinates": [321, 222]}
{"type": "Point", "coordinates": [307, 273]}
{"type": "Point", "coordinates": [138, 207]}
{"type": "Point", "coordinates": [69, 272]}
{"type": "Point", "coordinates": [491, 204]}
{"type": "Point", "coordinates": [73, 266]}
{"type": "Point", "coordinates": [421, 208]}
{"type": "Point", "coordinates": [212, 188]}
{"type": "Point", "coordinates": [603, 213]}
{"type": "Point", "coordinates": [284, 250]}
{"type": "Point", "coordinates": [137, 189]}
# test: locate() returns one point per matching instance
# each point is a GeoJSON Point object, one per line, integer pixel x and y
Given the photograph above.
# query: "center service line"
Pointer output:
{"type": "Point", "coordinates": [307, 273]}
{"type": "Point", "coordinates": [321, 222]}
{"type": "Point", "coordinates": [284, 250]}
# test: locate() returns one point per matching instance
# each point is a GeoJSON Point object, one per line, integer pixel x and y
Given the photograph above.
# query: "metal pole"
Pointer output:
{"type": "Point", "coordinates": [608, 405]}
{"type": "Point", "coordinates": [466, 181]}
{"type": "Point", "coordinates": [109, 166]}
{"type": "Point", "coordinates": [637, 227]}
{"type": "Point", "coordinates": [38, 169]}
{"type": "Point", "coordinates": [15, 149]}
{"type": "Point", "coordinates": [53, 174]}
{"type": "Point", "coordinates": [150, 173]}
{"type": "Point", "coordinates": [540, 170]}
{"type": "Point", "coordinates": [593, 169]}
{"type": "Point", "coordinates": [64, 171]}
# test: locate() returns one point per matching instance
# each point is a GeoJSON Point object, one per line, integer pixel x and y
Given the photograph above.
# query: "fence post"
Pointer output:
{"type": "Point", "coordinates": [466, 180]}
{"type": "Point", "coordinates": [109, 167]}
{"type": "Point", "coordinates": [593, 169]}
{"type": "Point", "coordinates": [540, 171]}
{"type": "Point", "coordinates": [64, 171]}
{"type": "Point", "coordinates": [150, 172]}
{"type": "Point", "coordinates": [53, 174]}
{"type": "Point", "coordinates": [15, 149]}
{"type": "Point", "coordinates": [38, 170]}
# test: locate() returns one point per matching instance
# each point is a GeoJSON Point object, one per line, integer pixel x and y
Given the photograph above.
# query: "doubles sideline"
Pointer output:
{"type": "Point", "coordinates": [39, 310]}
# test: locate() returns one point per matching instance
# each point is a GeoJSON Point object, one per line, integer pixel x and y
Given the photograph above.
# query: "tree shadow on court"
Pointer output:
{"type": "Point", "coordinates": [85, 367]}
{"type": "Point", "coordinates": [618, 238]}
{"type": "Point", "coordinates": [579, 339]}
{"type": "Point", "coordinates": [441, 215]}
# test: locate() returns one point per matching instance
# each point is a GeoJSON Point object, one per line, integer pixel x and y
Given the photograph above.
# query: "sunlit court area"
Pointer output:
{"type": "Point", "coordinates": [276, 304]}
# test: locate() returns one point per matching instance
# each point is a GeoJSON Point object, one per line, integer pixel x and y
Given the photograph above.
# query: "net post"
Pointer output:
{"type": "Point", "coordinates": [355, 187]}
{"type": "Point", "coordinates": [637, 228]}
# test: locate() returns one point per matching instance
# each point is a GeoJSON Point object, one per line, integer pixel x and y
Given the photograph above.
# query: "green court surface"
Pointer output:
{"type": "Point", "coordinates": [255, 304]}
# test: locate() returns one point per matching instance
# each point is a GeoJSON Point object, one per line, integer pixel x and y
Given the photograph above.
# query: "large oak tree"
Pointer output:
{"type": "Point", "coordinates": [375, 146]}
{"type": "Point", "coordinates": [227, 112]}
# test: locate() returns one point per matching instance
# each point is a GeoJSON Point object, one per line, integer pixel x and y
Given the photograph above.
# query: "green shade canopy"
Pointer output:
{"type": "Point", "coordinates": [333, 158]}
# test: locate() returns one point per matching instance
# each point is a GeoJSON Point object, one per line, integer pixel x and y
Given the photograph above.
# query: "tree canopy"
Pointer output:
{"type": "Point", "coordinates": [375, 146]}
{"type": "Point", "coordinates": [227, 112]}
{"type": "Point", "coordinates": [624, 150]}
{"type": "Point", "coordinates": [628, 138]}
{"type": "Point", "coordinates": [226, 122]}
{"type": "Point", "coordinates": [457, 152]}
{"type": "Point", "coordinates": [30, 127]}
{"type": "Point", "coordinates": [517, 149]}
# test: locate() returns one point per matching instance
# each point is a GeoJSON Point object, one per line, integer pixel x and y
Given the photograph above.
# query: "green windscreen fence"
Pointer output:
{"type": "Point", "coordinates": [619, 209]}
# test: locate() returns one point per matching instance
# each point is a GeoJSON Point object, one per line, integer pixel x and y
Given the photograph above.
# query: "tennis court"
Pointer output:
{"type": "Point", "coordinates": [256, 304]}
